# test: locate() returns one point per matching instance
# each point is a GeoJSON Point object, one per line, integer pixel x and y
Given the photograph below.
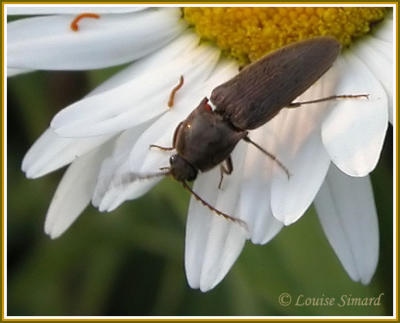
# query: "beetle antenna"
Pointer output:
{"type": "Point", "coordinates": [206, 204]}
{"type": "Point", "coordinates": [273, 157]}
{"type": "Point", "coordinates": [128, 178]}
{"type": "Point", "coordinates": [165, 171]}
{"type": "Point", "coordinates": [329, 98]}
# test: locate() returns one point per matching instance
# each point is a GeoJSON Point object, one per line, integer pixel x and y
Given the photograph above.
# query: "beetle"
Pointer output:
{"type": "Point", "coordinates": [254, 96]}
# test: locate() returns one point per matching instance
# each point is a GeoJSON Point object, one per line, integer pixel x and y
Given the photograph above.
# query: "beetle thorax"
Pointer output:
{"type": "Point", "coordinates": [205, 139]}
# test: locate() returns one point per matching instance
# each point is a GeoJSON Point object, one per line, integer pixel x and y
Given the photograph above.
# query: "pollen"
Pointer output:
{"type": "Point", "coordinates": [249, 33]}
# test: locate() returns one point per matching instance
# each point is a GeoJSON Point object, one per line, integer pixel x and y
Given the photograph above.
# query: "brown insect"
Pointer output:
{"type": "Point", "coordinates": [207, 137]}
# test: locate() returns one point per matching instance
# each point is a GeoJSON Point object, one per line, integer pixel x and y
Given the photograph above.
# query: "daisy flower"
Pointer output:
{"type": "Point", "coordinates": [329, 147]}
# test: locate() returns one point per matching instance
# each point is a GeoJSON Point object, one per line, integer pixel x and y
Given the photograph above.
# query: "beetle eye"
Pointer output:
{"type": "Point", "coordinates": [172, 159]}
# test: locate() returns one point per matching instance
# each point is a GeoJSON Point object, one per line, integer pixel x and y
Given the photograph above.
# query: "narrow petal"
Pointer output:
{"type": "Point", "coordinates": [126, 190]}
{"type": "Point", "coordinates": [255, 196]}
{"type": "Point", "coordinates": [212, 242]}
{"type": "Point", "coordinates": [379, 65]}
{"type": "Point", "coordinates": [299, 148]}
{"type": "Point", "coordinates": [51, 152]}
{"type": "Point", "coordinates": [385, 48]}
{"type": "Point", "coordinates": [346, 209]}
{"type": "Point", "coordinates": [114, 167]}
{"type": "Point", "coordinates": [27, 9]}
{"type": "Point", "coordinates": [354, 132]}
{"type": "Point", "coordinates": [136, 101]}
{"type": "Point", "coordinates": [49, 43]}
{"type": "Point", "coordinates": [198, 226]}
{"type": "Point", "coordinates": [74, 192]}
{"type": "Point", "coordinates": [180, 46]}
{"type": "Point", "coordinates": [140, 160]}
{"type": "Point", "coordinates": [384, 30]}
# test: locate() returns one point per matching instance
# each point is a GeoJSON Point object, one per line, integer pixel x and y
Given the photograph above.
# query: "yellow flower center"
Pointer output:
{"type": "Point", "coordinates": [249, 33]}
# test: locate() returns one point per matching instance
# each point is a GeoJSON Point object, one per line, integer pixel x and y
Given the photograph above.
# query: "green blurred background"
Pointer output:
{"type": "Point", "coordinates": [130, 262]}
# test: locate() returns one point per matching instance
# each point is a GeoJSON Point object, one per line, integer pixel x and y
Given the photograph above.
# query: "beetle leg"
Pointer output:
{"type": "Point", "coordinates": [173, 92]}
{"type": "Point", "coordinates": [173, 141]}
{"type": "Point", "coordinates": [162, 148]}
{"type": "Point", "coordinates": [333, 97]}
{"type": "Point", "coordinates": [213, 209]}
{"type": "Point", "coordinates": [225, 170]}
{"type": "Point", "coordinates": [273, 157]}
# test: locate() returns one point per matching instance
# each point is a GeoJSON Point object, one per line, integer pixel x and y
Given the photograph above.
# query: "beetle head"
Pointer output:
{"type": "Point", "coordinates": [181, 170]}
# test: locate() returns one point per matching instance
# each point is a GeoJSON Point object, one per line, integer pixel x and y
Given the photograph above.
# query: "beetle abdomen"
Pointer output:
{"type": "Point", "coordinates": [262, 89]}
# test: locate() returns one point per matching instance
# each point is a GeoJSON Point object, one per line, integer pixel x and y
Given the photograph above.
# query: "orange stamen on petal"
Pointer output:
{"type": "Point", "coordinates": [173, 92]}
{"type": "Point", "coordinates": [74, 23]}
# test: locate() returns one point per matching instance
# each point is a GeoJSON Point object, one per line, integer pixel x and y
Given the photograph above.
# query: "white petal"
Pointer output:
{"type": "Point", "coordinates": [182, 45]}
{"type": "Point", "coordinates": [291, 198]}
{"type": "Point", "coordinates": [49, 43]}
{"type": "Point", "coordinates": [384, 48]}
{"type": "Point", "coordinates": [136, 101]}
{"type": "Point", "coordinates": [299, 148]}
{"type": "Point", "coordinates": [37, 10]}
{"type": "Point", "coordinates": [384, 30]}
{"type": "Point", "coordinates": [126, 190]}
{"type": "Point", "coordinates": [379, 65]}
{"type": "Point", "coordinates": [213, 243]}
{"type": "Point", "coordinates": [255, 197]}
{"type": "Point", "coordinates": [346, 209]}
{"type": "Point", "coordinates": [51, 152]}
{"type": "Point", "coordinates": [115, 167]}
{"type": "Point", "coordinates": [354, 132]}
{"type": "Point", "coordinates": [198, 226]}
{"type": "Point", "coordinates": [74, 192]}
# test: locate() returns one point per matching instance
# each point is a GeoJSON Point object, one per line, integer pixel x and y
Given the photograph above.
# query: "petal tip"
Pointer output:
{"type": "Point", "coordinates": [51, 230]}
{"type": "Point", "coordinates": [192, 284]}
{"type": "Point", "coordinates": [32, 174]}
{"type": "Point", "coordinates": [205, 289]}
{"type": "Point", "coordinates": [365, 281]}
{"type": "Point", "coordinates": [55, 235]}
{"type": "Point", "coordinates": [356, 171]}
